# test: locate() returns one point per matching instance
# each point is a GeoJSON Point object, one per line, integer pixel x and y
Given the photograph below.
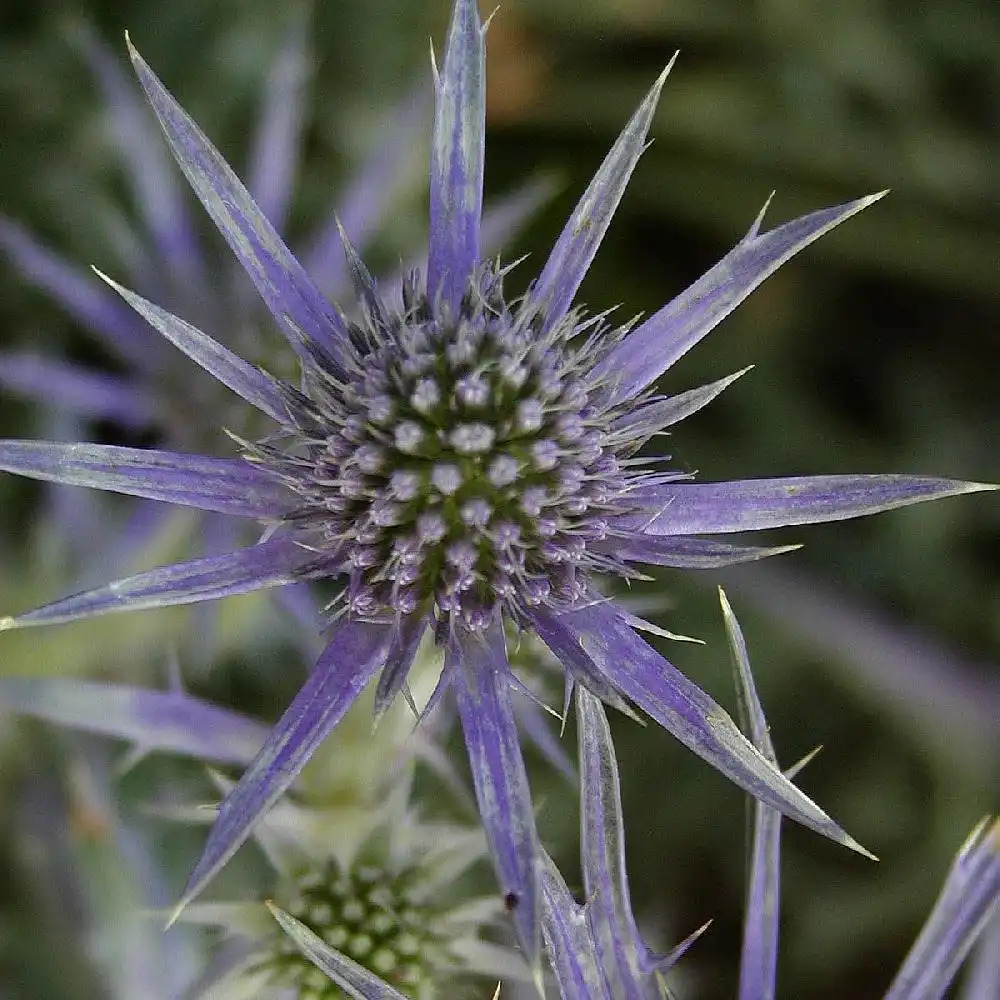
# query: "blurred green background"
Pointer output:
{"type": "Point", "coordinates": [876, 350]}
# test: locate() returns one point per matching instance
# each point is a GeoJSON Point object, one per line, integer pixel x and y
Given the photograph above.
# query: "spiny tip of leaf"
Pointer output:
{"type": "Point", "coordinates": [797, 767]}
{"type": "Point", "coordinates": [175, 914]}
{"type": "Point", "coordinates": [848, 841]}
{"type": "Point", "coordinates": [7, 622]}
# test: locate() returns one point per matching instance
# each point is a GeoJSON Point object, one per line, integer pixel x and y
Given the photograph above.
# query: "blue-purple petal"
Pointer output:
{"type": "Point", "coordinates": [355, 653]}
{"type": "Point", "coordinates": [751, 711]}
{"type": "Point", "coordinates": [577, 245]}
{"type": "Point", "coordinates": [759, 956]}
{"type": "Point", "coordinates": [600, 634]}
{"type": "Point", "coordinates": [756, 504]}
{"type": "Point", "coordinates": [969, 899]}
{"type": "Point", "coordinates": [646, 353]}
{"type": "Point", "coordinates": [400, 659]}
{"type": "Point", "coordinates": [92, 394]}
{"type": "Point", "coordinates": [357, 981]}
{"type": "Point", "coordinates": [457, 157]}
{"type": "Point", "coordinates": [568, 941]}
{"type": "Point", "coordinates": [564, 644]}
{"type": "Point", "coordinates": [248, 381]}
{"type": "Point", "coordinates": [269, 564]}
{"type": "Point", "coordinates": [168, 721]}
{"type": "Point", "coordinates": [643, 422]}
{"type": "Point", "coordinates": [685, 551]}
{"type": "Point", "coordinates": [225, 485]}
{"type": "Point", "coordinates": [602, 849]}
{"type": "Point", "coordinates": [982, 981]}
{"type": "Point", "coordinates": [308, 321]}
{"type": "Point", "coordinates": [480, 679]}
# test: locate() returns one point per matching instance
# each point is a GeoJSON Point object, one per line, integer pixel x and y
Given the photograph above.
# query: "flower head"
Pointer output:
{"type": "Point", "coordinates": [465, 464]}
{"type": "Point", "coordinates": [352, 858]}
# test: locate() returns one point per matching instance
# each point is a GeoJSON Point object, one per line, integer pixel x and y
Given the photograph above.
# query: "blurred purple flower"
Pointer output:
{"type": "Point", "coordinates": [461, 462]}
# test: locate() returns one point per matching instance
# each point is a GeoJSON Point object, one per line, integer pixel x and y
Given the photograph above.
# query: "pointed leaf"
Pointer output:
{"type": "Point", "coordinates": [646, 353]}
{"type": "Point", "coordinates": [564, 646]}
{"type": "Point", "coordinates": [169, 721]}
{"type": "Point", "coordinates": [308, 321]}
{"type": "Point", "coordinates": [642, 423]}
{"type": "Point", "coordinates": [969, 898]}
{"type": "Point", "coordinates": [577, 245]}
{"type": "Point", "coordinates": [397, 668]}
{"type": "Point", "coordinates": [356, 652]}
{"type": "Point", "coordinates": [575, 962]}
{"type": "Point", "coordinates": [602, 848]}
{"type": "Point", "coordinates": [480, 680]}
{"type": "Point", "coordinates": [599, 634]}
{"type": "Point", "coordinates": [457, 157]}
{"type": "Point", "coordinates": [759, 957]}
{"type": "Point", "coordinates": [354, 979]}
{"type": "Point", "coordinates": [982, 981]}
{"type": "Point", "coordinates": [751, 709]}
{"type": "Point", "coordinates": [247, 381]}
{"type": "Point", "coordinates": [225, 485]}
{"type": "Point", "coordinates": [755, 504]}
{"type": "Point", "coordinates": [361, 280]}
{"type": "Point", "coordinates": [268, 564]}
{"type": "Point", "coordinates": [685, 552]}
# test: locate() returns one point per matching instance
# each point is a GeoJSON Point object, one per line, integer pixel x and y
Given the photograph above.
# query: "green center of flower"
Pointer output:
{"type": "Point", "coordinates": [369, 914]}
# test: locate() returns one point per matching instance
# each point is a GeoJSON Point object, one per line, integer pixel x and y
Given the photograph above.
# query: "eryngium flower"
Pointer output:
{"type": "Point", "coordinates": [352, 857]}
{"type": "Point", "coordinates": [462, 462]}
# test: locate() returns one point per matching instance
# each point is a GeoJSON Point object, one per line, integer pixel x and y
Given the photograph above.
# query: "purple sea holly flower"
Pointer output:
{"type": "Point", "coordinates": [156, 392]}
{"type": "Point", "coordinates": [463, 464]}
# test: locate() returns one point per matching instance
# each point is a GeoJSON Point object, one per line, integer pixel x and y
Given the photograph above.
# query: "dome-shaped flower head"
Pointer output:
{"type": "Point", "coordinates": [464, 464]}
